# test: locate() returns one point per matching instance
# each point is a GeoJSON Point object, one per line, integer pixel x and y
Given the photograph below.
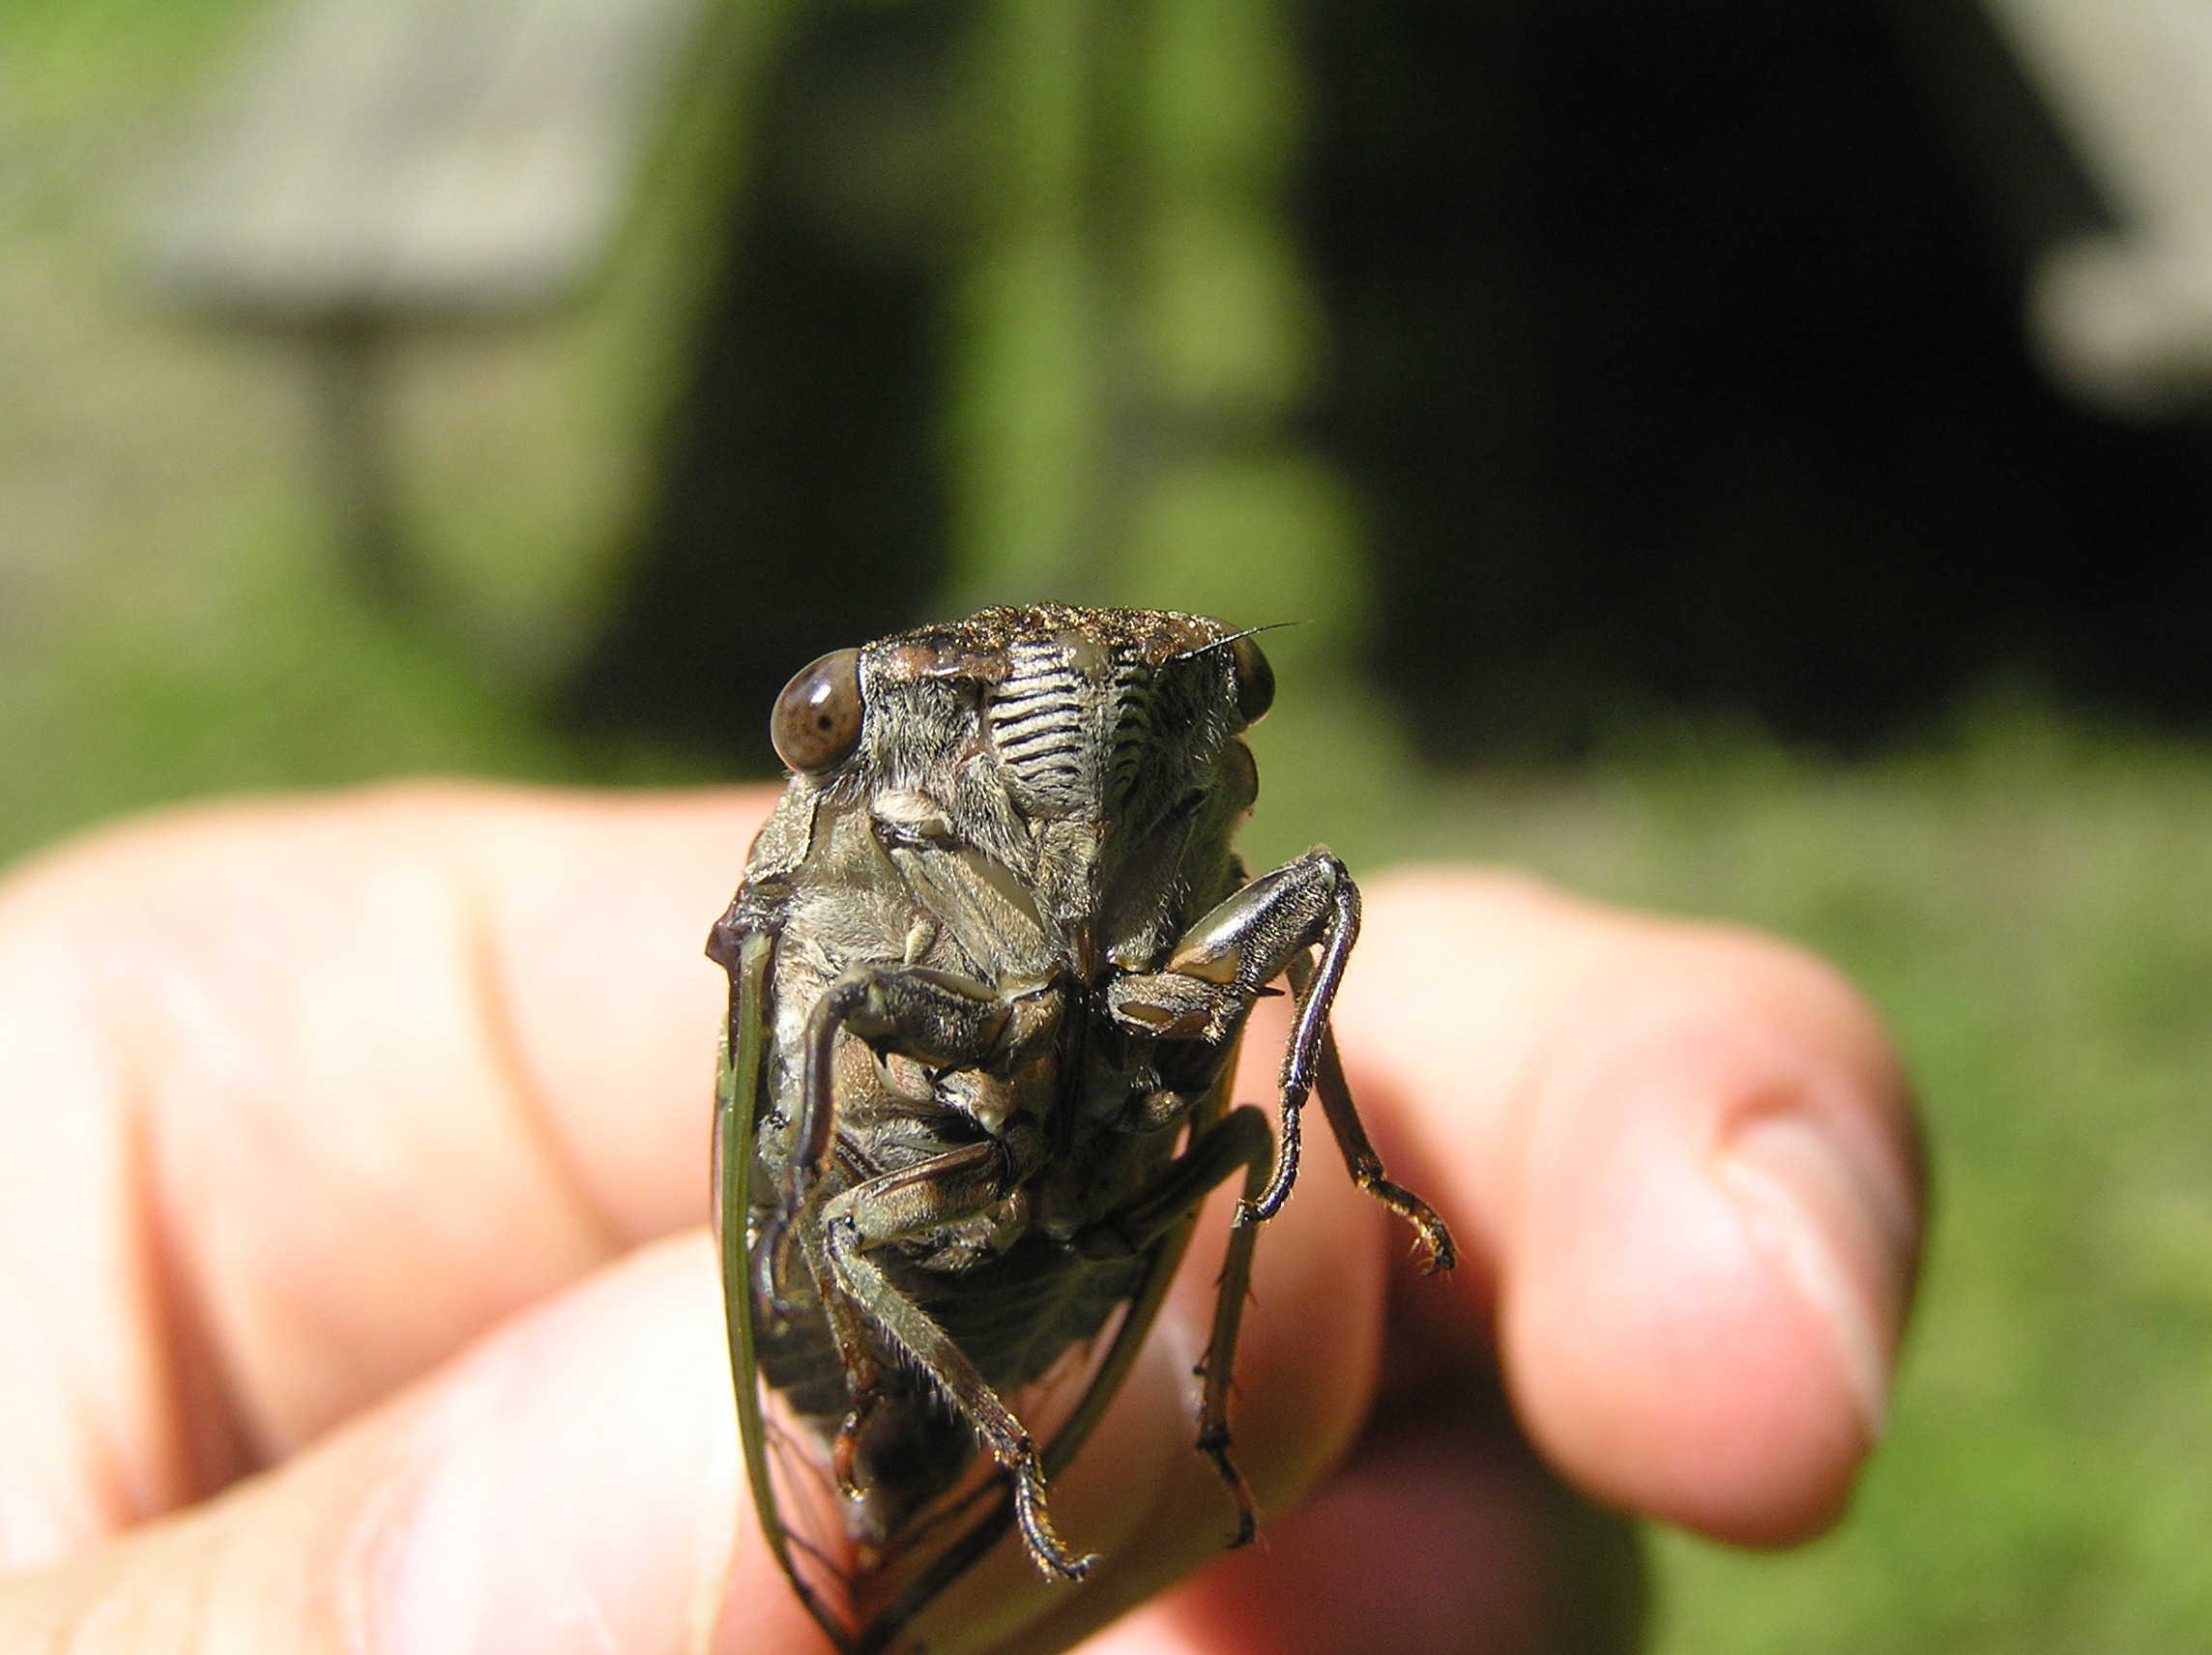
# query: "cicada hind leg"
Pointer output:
{"type": "Point", "coordinates": [850, 1462]}
{"type": "Point", "coordinates": [963, 1553]}
{"type": "Point", "coordinates": [852, 1473]}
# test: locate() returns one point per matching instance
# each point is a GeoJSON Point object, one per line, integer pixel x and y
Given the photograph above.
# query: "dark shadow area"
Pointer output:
{"type": "Point", "coordinates": [1680, 362]}
{"type": "Point", "coordinates": [801, 505]}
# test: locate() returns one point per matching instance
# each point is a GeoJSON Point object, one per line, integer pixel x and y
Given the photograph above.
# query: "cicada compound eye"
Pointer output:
{"type": "Point", "coordinates": [817, 718]}
{"type": "Point", "coordinates": [1255, 681]}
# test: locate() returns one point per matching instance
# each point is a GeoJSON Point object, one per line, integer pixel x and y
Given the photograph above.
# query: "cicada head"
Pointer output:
{"type": "Point", "coordinates": [1093, 757]}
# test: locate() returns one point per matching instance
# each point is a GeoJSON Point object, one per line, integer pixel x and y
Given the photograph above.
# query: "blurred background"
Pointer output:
{"type": "Point", "coordinates": [1747, 459]}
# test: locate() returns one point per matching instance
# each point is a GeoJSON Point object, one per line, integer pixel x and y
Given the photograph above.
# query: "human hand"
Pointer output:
{"type": "Point", "coordinates": [353, 1294]}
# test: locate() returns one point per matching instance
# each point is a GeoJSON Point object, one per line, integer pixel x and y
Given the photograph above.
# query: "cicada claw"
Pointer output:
{"type": "Point", "coordinates": [1037, 1537]}
{"type": "Point", "coordinates": [845, 1452]}
{"type": "Point", "coordinates": [1214, 1443]}
{"type": "Point", "coordinates": [771, 1269]}
{"type": "Point", "coordinates": [1430, 1234]}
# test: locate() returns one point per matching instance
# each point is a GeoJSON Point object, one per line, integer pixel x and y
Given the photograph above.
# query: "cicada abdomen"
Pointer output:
{"type": "Point", "coordinates": [868, 1554]}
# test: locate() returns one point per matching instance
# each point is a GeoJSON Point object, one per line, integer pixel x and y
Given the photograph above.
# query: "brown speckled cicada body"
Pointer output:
{"type": "Point", "coordinates": [989, 967]}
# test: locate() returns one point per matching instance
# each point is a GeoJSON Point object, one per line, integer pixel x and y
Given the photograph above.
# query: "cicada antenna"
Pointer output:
{"type": "Point", "coordinates": [1224, 642]}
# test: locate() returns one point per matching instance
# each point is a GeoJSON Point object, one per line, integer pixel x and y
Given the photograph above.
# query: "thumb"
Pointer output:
{"type": "Point", "coordinates": [571, 1481]}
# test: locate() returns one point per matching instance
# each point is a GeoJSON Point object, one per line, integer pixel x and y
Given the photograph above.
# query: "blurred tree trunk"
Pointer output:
{"type": "Point", "coordinates": [1134, 335]}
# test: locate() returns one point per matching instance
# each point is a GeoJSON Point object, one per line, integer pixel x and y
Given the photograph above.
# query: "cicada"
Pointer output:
{"type": "Point", "coordinates": [989, 967]}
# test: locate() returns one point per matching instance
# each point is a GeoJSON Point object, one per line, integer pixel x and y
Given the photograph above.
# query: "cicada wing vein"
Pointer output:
{"type": "Point", "coordinates": [808, 1559]}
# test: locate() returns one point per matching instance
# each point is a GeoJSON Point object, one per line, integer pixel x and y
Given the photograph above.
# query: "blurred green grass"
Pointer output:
{"type": "Point", "coordinates": [173, 612]}
{"type": "Point", "coordinates": [2027, 898]}
{"type": "Point", "coordinates": [2029, 904]}
{"type": "Point", "coordinates": [170, 617]}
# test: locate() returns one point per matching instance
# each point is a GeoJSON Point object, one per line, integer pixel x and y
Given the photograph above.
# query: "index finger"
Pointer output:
{"type": "Point", "coordinates": [1685, 1178]}
{"type": "Point", "coordinates": [1686, 1163]}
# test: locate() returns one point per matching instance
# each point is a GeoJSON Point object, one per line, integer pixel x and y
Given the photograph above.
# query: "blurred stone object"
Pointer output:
{"type": "Point", "coordinates": [2124, 320]}
{"type": "Point", "coordinates": [384, 166]}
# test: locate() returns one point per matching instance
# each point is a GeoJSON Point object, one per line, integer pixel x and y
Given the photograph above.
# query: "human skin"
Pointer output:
{"type": "Point", "coordinates": [355, 1292]}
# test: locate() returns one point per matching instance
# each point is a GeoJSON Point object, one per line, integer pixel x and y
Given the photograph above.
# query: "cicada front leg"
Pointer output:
{"type": "Point", "coordinates": [1224, 962]}
{"type": "Point", "coordinates": [932, 1015]}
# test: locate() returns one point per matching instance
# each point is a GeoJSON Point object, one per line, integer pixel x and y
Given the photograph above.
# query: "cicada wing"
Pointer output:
{"type": "Point", "coordinates": [791, 1493]}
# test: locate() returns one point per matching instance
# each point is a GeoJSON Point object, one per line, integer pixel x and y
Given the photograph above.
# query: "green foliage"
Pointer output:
{"type": "Point", "coordinates": [2031, 906]}
{"type": "Point", "coordinates": [173, 618]}
{"type": "Point", "coordinates": [1134, 332]}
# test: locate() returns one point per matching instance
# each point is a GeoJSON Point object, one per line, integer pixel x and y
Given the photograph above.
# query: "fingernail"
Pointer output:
{"type": "Point", "coordinates": [1823, 1196]}
{"type": "Point", "coordinates": [582, 1483]}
